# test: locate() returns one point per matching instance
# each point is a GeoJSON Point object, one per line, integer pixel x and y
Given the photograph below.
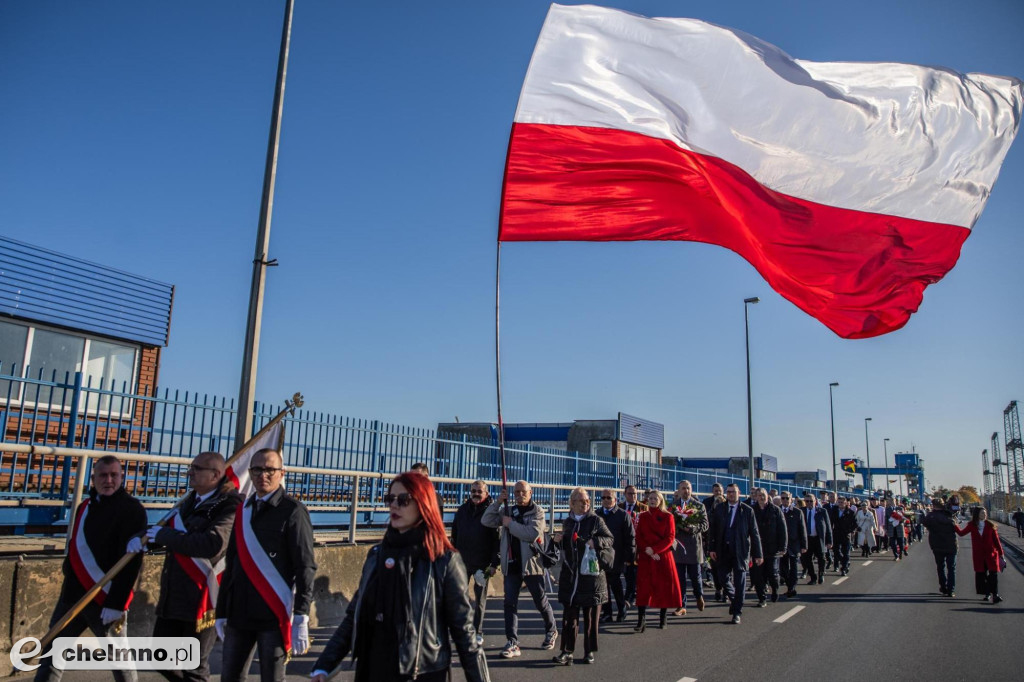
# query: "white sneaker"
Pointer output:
{"type": "Point", "coordinates": [480, 640]}
{"type": "Point", "coordinates": [511, 650]}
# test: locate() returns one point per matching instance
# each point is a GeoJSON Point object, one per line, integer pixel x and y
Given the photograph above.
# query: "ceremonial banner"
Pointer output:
{"type": "Point", "coordinates": [238, 471]}
{"type": "Point", "coordinates": [850, 187]}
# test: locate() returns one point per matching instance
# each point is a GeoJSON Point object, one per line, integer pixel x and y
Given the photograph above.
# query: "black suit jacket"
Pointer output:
{"type": "Point", "coordinates": [622, 529]}
{"type": "Point", "coordinates": [822, 525]}
{"type": "Point", "coordinates": [771, 525]}
{"type": "Point", "coordinates": [286, 535]}
{"type": "Point", "coordinates": [796, 529]}
{"type": "Point", "coordinates": [746, 539]}
{"type": "Point", "coordinates": [209, 526]}
{"type": "Point", "coordinates": [844, 524]}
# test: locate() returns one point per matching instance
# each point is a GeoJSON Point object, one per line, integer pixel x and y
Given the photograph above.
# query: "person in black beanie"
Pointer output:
{"type": "Point", "coordinates": [412, 603]}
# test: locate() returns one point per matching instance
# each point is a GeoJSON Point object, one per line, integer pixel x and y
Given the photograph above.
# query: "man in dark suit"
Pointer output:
{"type": "Point", "coordinates": [771, 526]}
{"type": "Point", "coordinates": [796, 542]}
{"type": "Point", "coordinates": [633, 509]}
{"type": "Point", "coordinates": [819, 538]}
{"type": "Point", "coordinates": [710, 502]}
{"type": "Point", "coordinates": [196, 540]}
{"type": "Point", "coordinates": [734, 541]}
{"type": "Point", "coordinates": [844, 525]}
{"type": "Point", "coordinates": [831, 507]}
{"type": "Point", "coordinates": [621, 527]}
{"type": "Point", "coordinates": [479, 547]}
{"type": "Point", "coordinates": [273, 531]}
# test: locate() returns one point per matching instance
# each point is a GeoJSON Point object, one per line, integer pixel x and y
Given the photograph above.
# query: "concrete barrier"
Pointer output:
{"type": "Point", "coordinates": [31, 587]}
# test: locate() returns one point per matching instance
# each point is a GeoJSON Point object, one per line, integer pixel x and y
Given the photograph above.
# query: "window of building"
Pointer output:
{"type": "Point", "coordinates": [600, 448]}
{"type": "Point", "coordinates": [40, 353]}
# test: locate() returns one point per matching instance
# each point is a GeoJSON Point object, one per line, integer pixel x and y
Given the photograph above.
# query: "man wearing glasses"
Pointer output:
{"type": "Point", "coordinates": [796, 529]}
{"type": "Point", "coordinates": [478, 546]}
{"type": "Point", "coordinates": [268, 580]}
{"type": "Point", "coordinates": [196, 539]}
{"type": "Point", "coordinates": [633, 509]}
{"type": "Point", "coordinates": [624, 533]}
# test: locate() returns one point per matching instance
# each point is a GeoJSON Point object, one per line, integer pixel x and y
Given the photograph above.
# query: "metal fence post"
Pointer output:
{"type": "Point", "coordinates": [79, 489]}
{"type": "Point", "coordinates": [76, 398]}
{"type": "Point", "coordinates": [551, 523]}
{"type": "Point", "coordinates": [375, 457]}
{"type": "Point", "coordinates": [526, 463]}
{"type": "Point", "coordinates": [353, 511]}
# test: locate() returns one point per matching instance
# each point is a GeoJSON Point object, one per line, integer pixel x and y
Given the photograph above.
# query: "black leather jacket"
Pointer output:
{"type": "Point", "coordinates": [440, 607]}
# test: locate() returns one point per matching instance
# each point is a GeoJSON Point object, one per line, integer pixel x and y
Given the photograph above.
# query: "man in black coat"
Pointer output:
{"type": "Point", "coordinates": [621, 527]}
{"type": "Point", "coordinates": [734, 541]}
{"type": "Point", "coordinates": [196, 538]}
{"type": "Point", "coordinates": [103, 525]}
{"type": "Point", "coordinates": [478, 546]}
{"type": "Point", "coordinates": [844, 525]}
{"type": "Point", "coordinates": [819, 538]}
{"type": "Point", "coordinates": [1018, 519]}
{"type": "Point", "coordinates": [796, 542]}
{"type": "Point", "coordinates": [272, 530]}
{"type": "Point", "coordinates": [771, 526]}
{"type": "Point", "coordinates": [942, 540]}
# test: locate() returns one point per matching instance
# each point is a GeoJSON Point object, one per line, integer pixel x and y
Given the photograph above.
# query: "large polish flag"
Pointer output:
{"type": "Point", "coordinates": [849, 186]}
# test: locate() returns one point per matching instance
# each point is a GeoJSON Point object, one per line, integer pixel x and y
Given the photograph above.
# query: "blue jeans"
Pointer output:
{"type": "Point", "coordinates": [945, 564]}
{"type": "Point", "coordinates": [535, 584]}
{"type": "Point", "coordinates": [238, 650]}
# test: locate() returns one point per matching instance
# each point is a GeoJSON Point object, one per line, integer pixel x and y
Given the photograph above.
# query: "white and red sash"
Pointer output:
{"type": "Point", "coordinates": [83, 563]}
{"type": "Point", "coordinates": [205, 575]}
{"type": "Point", "coordinates": [263, 574]}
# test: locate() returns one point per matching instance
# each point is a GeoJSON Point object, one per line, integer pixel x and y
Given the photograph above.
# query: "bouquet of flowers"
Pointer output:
{"type": "Point", "coordinates": [688, 515]}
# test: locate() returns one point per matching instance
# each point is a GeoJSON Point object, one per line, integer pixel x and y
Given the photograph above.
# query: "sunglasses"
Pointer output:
{"type": "Point", "coordinates": [402, 499]}
{"type": "Point", "coordinates": [259, 471]}
{"type": "Point", "coordinates": [607, 497]}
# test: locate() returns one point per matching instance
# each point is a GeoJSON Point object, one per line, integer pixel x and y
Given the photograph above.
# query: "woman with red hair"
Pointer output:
{"type": "Point", "coordinates": [412, 601]}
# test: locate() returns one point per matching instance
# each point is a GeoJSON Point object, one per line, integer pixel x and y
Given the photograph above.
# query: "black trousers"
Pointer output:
{"type": "Point", "coordinates": [787, 569]}
{"type": "Point", "coordinates": [765, 575]}
{"type": "Point", "coordinates": [238, 649]}
{"type": "Point", "coordinates": [842, 552]}
{"type": "Point", "coordinates": [1020, 529]}
{"type": "Point", "coordinates": [615, 592]}
{"type": "Point", "coordinates": [815, 551]}
{"type": "Point", "coordinates": [691, 571]}
{"type": "Point", "coordinates": [986, 582]}
{"type": "Point", "coordinates": [89, 617]}
{"type": "Point", "coordinates": [165, 627]}
{"type": "Point", "coordinates": [898, 546]}
{"type": "Point", "coordinates": [479, 598]}
{"type": "Point", "coordinates": [571, 616]}
{"type": "Point", "coordinates": [734, 582]}
{"type": "Point", "coordinates": [629, 571]}
{"type": "Point", "coordinates": [535, 584]}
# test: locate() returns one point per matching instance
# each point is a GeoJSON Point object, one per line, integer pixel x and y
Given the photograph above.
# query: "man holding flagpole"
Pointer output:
{"type": "Point", "coordinates": [196, 538]}
{"type": "Point", "coordinates": [103, 524]}
{"type": "Point", "coordinates": [267, 586]}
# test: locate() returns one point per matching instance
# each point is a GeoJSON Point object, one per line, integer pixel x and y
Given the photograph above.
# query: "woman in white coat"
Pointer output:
{"type": "Point", "coordinates": [866, 527]}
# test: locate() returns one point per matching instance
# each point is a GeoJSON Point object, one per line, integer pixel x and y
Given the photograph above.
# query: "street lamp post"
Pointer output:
{"type": "Point", "coordinates": [867, 447]}
{"type": "Point", "coordinates": [832, 418]}
{"type": "Point", "coordinates": [885, 447]}
{"type": "Point", "coordinates": [750, 423]}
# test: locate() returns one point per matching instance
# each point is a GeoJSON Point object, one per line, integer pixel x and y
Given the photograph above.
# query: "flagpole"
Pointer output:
{"type": "Point", "coordinates": [497, 368]}
{"type": "Point", "coordinates": [289, 408]}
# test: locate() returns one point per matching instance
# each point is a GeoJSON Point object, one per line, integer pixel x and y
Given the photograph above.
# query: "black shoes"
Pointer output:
{"type": "Point", "coordinates": [621, 618]}
{"type": "Point", "coordinates": [605, 618]}
{"type": "Point", "coordinates": [663, 621]}
{"type": "Point", "coordinates": [641, 624]}
{"type": "Point", "coordinates": [821, 579]}
{"type": "Point", "coordinates": [736, 620]}
{"type": "Point", "coordinates": [790, 594]}
{"type": "Point", "coordinates": [812, 581]}
{"type": "Point", "coordinates": [589, 658]}
{"type": "Point", "coordinates": [718, 595]}
{"type": "Point", "coordinates": [775, 596]}
{"type": "Point", "coordinates": [564, 658]}
{"type": "Point", "coordinates": [761, 603]}
{"type": "Point", "coordinates": [996, 599]}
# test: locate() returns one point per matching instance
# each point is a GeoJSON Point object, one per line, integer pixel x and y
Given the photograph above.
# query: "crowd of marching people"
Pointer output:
{"type": "Point", "coordinates": [241, 569]}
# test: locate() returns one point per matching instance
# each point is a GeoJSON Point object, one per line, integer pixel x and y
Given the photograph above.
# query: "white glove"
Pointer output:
{"type": "Point", "coordinates": [109, 616]}
{"type": "Point", "coordinates": [151, 533]}
{"type": "Point", "coordinates": [134, 545]}
{"type": "Point", "coordinates": [300, 634]}
{"type": "Point", "coordinates": [480, 578]}
{"type": "Point", "coordinates": [218, 625]}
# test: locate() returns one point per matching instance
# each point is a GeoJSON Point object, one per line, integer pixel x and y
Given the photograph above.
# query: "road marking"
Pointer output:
{"type": "Point", "coordinates": [789, 614]}
{"type": "Point", "coordinates": [868, 563]}
{"type": "Point", "coordinates": [687, 679]}
{"type": "Point", "coordinates": [841, 580]}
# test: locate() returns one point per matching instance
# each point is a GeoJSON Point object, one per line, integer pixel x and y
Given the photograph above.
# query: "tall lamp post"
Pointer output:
{"type": "Point", "coordinates": [750, 422]}
{"type": "Point", "coordinates": [867, 447]}
{"type": "Point", "coordinates": [832, 418]}
{"type": "Point", "coordinates": [885, 448]}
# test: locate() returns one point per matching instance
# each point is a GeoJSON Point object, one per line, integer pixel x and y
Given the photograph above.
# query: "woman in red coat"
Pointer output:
{"type": "Point", "coordinates": [987, 552]}
{"type": "Point", "coordinates": [657, 584]}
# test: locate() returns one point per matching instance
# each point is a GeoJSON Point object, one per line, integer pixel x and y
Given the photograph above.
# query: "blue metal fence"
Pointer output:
{"type": "Point", "coordinates": [74, 411]}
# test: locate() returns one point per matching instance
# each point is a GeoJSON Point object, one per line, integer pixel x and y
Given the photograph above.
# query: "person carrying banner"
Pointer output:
{"type": "Point", "coordinates": [196, 538]}
{"type": "Point", "coordinates": [267, 585]}
{"type": "Point", "coordinates": [103, 525]}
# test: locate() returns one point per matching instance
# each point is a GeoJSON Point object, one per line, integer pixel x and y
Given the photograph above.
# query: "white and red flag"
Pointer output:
{"type": "Point", "coordinates": [238, 471]}
{"type": "Point", "coordinates": [850, 187]}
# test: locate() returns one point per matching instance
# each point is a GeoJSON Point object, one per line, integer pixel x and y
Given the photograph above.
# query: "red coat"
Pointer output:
{"type": "Point", "coordinates": [657, 584]}
{"type": "Point", "coordinates": [986, 549]}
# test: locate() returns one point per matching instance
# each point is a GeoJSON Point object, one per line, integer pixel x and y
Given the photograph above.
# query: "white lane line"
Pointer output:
{"type": "Point", "coordinates": [841, 580]}
{"type": "Point", "coordinates": [687, 679]}
{"type": "Point", "coordinates": [867, 563]}
{"type": "Point", "coordinates": [789, 614]}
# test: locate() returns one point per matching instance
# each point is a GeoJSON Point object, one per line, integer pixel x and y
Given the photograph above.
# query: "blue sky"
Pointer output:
{"type": "Point", "coordinates": [134, 133]}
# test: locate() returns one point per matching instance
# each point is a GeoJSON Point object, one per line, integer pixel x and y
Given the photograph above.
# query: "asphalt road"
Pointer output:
{"type": "Point", "coordinates": [885, 619]}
